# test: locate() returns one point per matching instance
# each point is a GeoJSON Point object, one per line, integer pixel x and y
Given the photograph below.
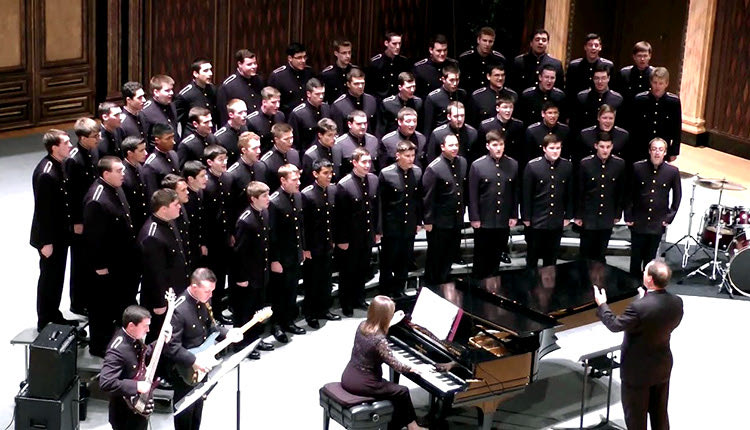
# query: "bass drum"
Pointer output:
{"type": "Point", "coordinates": [739, 266]}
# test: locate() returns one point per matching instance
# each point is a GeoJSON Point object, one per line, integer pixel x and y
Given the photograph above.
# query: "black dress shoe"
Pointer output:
{"type": "Point", "coordinates": [295, 329]}
{"type": "Point", "coordinates": [255, 355]}
{"type": "Point", "coordinates": [279, 334]}
{"type": "Point", "coordinates": [330, 316]}
{"type": "Point", "coordinates": [505, 258]}
{"type": "Point", "coordinates": [347, 312]}
{"type": "Point", "coordinates": [82, 311]}
{"type": "Point", "coordinates": [362, 305]}
{"type": "Point", "coordinates": [313, 323]}
{"type": "Point", "coordinates": [265, 346]}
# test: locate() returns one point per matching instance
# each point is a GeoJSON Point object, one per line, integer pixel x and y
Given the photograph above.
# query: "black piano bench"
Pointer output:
{"type": "Point", "coordinates": [353, 412]}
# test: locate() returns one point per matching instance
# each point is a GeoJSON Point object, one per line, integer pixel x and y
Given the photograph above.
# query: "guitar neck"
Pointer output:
{"type": "Point", "coordinates": [217, 348]}
{"type": "Point", "coordinates": [151, 369]}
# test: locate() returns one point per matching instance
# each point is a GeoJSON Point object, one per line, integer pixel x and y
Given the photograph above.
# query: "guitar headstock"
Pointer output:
{"type": "Point", "coordinates": [263, 314]}
{"type": "Point", "coordinates": [172, 300]}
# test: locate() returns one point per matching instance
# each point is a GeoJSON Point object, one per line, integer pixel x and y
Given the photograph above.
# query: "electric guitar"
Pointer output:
{"type": "Point", "coordinates": [205, 353]}
{"type": "Point", "coordinates": [142, 403]}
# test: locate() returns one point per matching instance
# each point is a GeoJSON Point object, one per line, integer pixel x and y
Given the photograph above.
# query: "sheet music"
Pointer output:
{"type": "Point", "coordinates": [434, 313]}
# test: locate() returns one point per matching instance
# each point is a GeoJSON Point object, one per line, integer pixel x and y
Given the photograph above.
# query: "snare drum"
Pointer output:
{"type": "Point", "coordinates": [710, 219]}
{"type": "Point", "coordinates": [741, 216]}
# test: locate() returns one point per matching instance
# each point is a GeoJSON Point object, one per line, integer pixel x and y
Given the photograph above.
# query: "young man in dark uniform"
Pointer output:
{"type": "Point", "coordinates": [199, 93]}
{"type": "Point", "coordinates": [162, 257]}
{"type": "Point", "coordinates": [290, 79]}
{"type": "Point", "coordinates": [228, 135]}
{"type": "Point", "coordinates": [580, 73]}
{"type": "Point", "coordinates": [304, 118]}
{"type": "Point", "coordinates": [110, 243]}
{"type": "Point", "coordinates": [196, 136]}
{"type": "Point", "coordinates": [287, 243]}
{"type": "Point", "coordinates": [591, 99]}
{"type": "Point", "coordinates": [124, 354]}
{"type": "Point", "coordinates": [162, 161]}
{"type": "Point", "coordinates": [546, 202]}
{"type": "Point", "coordinates": [321, 149]}
{"type": "Point", "coordinates": [406, 131]}
{"type": "Point", "coordinates": [110, 133]}
{"type": "Point", "coordinates": [648, 323]}
{"type": "Point", "coordinates": [250, 264]}
{"type": "Point", "coordinates": [548, 125]}
{"type": "Point", "coordinates": [428, 71]}
{"type": "Point", "coordinates": [244, 84]}
{"type": "Point", "coordinates": [318, 206]}
{"type": "Point", "coordinates": [160, 109]}
{"type": "Point", "coordinates": [400, 194]}
{"type": "Point", "coordinates": [280, 154]}
{"type": "Point", "coordinates": [356, 230]}
{"type": "Point", "coordinates": [51, 226]}
{"type": "Point", "coordinates": [527, 67]}
{"type": "Point", "coordinates": [391, 105]}
{"type": "Point", "coordinates": [636, 78]}
{"type": "Point", "coordinates": [444, 206]}
{"type": "Point", "coordinates": [81, 171]}
{"type": "Point", "coordinates": [355, 98]}
{"type": "Point", "coordinates": [533, 98]}
{"type": "Point", "coordinates": [333, 77]}
{"type": "Point", "coordinates": [475, 63]}
{"type": "Point", "coordinates": [605, 123]}
{"type": "Point", "coordinates": [656, 113]}
{"type": "Point", "coordinates": [466, 135]}
{"type": "Point", "coordinates": [483, 101]}
{"type": "Point", "coordinates": [264, 118]}
{"type": "Point", "coordinates": [134, 153]}
{"type": "Point", "coordinates": [493, 205]}
{"type": "Point", "coordinates": [192, 322]}
{"type": "Point", "coordinates": [648, 211]}
{"type": "Point", "coordinates": [134, 98]}
{"type": "Point", "coordinates": [600, 195]}
{"type": "Point", "coordinates": [385, 68]}
{"type": "Point", "coordinates": [196, 175]}
{"type": "Point", "coordinates": [346, 143]}
{"type": "Point", "coordinates": [511, 128]}
{"type": "Point", "coordinates": [437, 101]}
{"type": "Point", "coordinates": [247, 169]}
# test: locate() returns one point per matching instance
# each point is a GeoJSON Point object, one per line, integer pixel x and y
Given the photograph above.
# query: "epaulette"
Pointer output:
{"type": "Point", "coordinates": [266, 156]}
{"type": "Point", "coordinates": [389, 168]}
{"type": "Point", "coordinates": [73, 152]}
{"type": "Point", "coordinates": [536, 124]}
{"type": "Point", "coordinates": [584, 92]}
{"type": "Point", "coordinates": [229, 79]}
{"type": "Point", "coordinates": [536, 159]}
{"type": "Point", "coordinates": [47, 167]}
{"type": "Point", "coordinates": [274, 195]}
{"type": "Point", "coordinates": [588, 157]}
{"type": "Point", "coordinates": [465, 53]}
{"type": "Point", "coordinates": [434, 162]}
{"type": "Point", "coordinates": [150, 158]}
{"type": "Point", "coordinates": [341, 97]}
{"type": "Point", "coordinates": [152, 229]}
{"type": "Point", "coordinates": [220, 131]}
{"type": "Point", "coordinates": [116, 342]}
{"type": "Point", "coordinates": [186, 89]}
{"type": "Point", "coordinates": [97, 192]}
{"type": "Point", "coordinates": [307, 188]}
{"type": "Point", "coordinates": [233, 167]}
{"type": "Point", "coordinates": [616, 157]}
{"type": "Point", "coordinates": [672, 94]}
{"type": "Point", "coordinates": [480, 158]}
{"type": "Point", "coordinates": [497, 53]}
{"type": "Point", "coordinates": [147, 104]}
{"type": "Point", "coordinates": [628, 68]}
{"type": "Point", "coordinates": [420, 62]}
{"type": "Point", "coordinates": [387, 136]}
{"type": "Point", "coordinates": [188, 139]}
{"type": "Point", "coordinates": [327, 69]}
{"type": "Point", "coordinates": [346, 178]}
{"type": "Point", "coordinates": [617, 127]}
{"type": "Point", "coordinates": [245, 215]}
{"type": "Point", "coordinates": [340, 138]}
{"type": "Point", "coordinates": [478, 91]}
{"type": "Point", "coordinates": [280, 69]}
{"type": "Point", "coordinates": [488, 120]}
{"type": "Point", "coordinates": [643, 93]}
{"type": "Point", "coordinates": [376, 58]}
{"type": "Point", "coordinates": [528, 90]}
{"type": "Point", "coordinates": [253, 115]}
{"type": "Point", "coordinates": [299, 107]}
{"type": "Point", "coordinates": [434, 92]}
{"type": "Point", "coordinates": [576, 61]}
{"type": "Point", "coordinates": [555, 89]}
{"type": "Point", "coordinates": [310, 150]}
{"type": "Point", "coordinates": [606, 61]}
{"type": "Point", "coordinates": [442, 127]}
{"type": "Point", "coordinates": [389, 98]}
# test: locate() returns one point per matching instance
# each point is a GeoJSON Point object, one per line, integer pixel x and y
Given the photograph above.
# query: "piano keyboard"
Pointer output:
{"type": "Point", "coordinates": [445, 382]}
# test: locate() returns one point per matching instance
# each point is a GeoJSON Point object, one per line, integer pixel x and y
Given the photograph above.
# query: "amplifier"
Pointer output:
{"type": "Point", "coordinates": [52, 414]}
{"type": "Point", "coordinates": [52, 361]}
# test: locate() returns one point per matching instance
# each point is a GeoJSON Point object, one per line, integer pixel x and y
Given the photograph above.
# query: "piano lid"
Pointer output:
{"type": "Point", "coordinates": [463, 293]}
{"type": "Point", "coordinates": [560, 289]}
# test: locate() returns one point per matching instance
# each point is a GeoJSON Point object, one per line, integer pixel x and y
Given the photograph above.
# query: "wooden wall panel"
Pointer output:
{"type": "Point", "coordinates": [406, 16]}
{"type": "Point", "coordinates": [11, 34]}
{"type": "Point", "coordinates": [328, 20]}
{"type": "Point", "coordinates": [64, 35]}
{"type": "Point", "coordinates": [727, 110]}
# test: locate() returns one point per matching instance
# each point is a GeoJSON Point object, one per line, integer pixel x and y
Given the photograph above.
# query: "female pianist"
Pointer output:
{"type": "Point", "coordinates": [363, 375]}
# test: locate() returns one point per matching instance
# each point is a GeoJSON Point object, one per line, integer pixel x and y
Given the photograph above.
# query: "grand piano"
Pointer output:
{"type": "Point", "coordinates": [494, 331]}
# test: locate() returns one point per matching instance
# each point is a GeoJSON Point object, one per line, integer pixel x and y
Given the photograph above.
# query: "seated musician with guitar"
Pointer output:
{"type": "Point", "coordinates": [363, 375]}
{"type": "Point", "coordinates": [124, 364]}
{"type": "Point", "coordinates": [193, 324]}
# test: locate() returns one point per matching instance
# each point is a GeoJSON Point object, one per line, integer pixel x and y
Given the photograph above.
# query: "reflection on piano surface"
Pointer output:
{"type": "Point", "coordinates": [505, 325]}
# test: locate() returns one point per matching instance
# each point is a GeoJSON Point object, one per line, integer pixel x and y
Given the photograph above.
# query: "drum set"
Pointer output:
{"type": "Point", "coordinates": [726, 231]}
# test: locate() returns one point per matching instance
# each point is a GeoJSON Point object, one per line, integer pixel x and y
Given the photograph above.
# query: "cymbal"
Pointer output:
{"type": "Point", "coordinates": [687, 175]}
{"type": "Point", "coordinates": [720, 184]}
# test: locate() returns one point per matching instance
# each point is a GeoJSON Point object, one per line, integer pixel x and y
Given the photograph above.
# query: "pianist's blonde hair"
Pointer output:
{"type": "Point", "coordinates": [379, 315]}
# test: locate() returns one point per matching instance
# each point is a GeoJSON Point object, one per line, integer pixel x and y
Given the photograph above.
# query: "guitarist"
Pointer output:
{"type": "Point", "coordinates": [193, 322]}
{"type": "Point", "coordinates": [121, 362]}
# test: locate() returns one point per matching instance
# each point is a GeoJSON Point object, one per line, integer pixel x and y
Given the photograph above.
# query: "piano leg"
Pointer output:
{"type": "Point", "coordinates": [487, 414]}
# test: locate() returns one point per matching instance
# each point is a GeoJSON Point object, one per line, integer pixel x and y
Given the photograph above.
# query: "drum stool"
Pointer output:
{"type": "Point", "coordinates": [353, 412]}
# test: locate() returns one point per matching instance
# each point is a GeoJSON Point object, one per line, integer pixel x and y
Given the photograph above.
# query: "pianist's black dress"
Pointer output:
{"type": "Point", "coordinates": [363, 376]}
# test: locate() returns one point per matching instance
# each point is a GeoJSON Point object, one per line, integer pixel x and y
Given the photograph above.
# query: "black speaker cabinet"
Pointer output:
{"type": "Point", "coordinates": [52, 362]}
{"type": "Point", "coordinates": [51, 414]}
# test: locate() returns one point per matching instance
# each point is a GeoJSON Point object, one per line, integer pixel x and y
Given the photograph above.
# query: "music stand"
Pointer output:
{"type": "Point", "coordinates": [213, 377]}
